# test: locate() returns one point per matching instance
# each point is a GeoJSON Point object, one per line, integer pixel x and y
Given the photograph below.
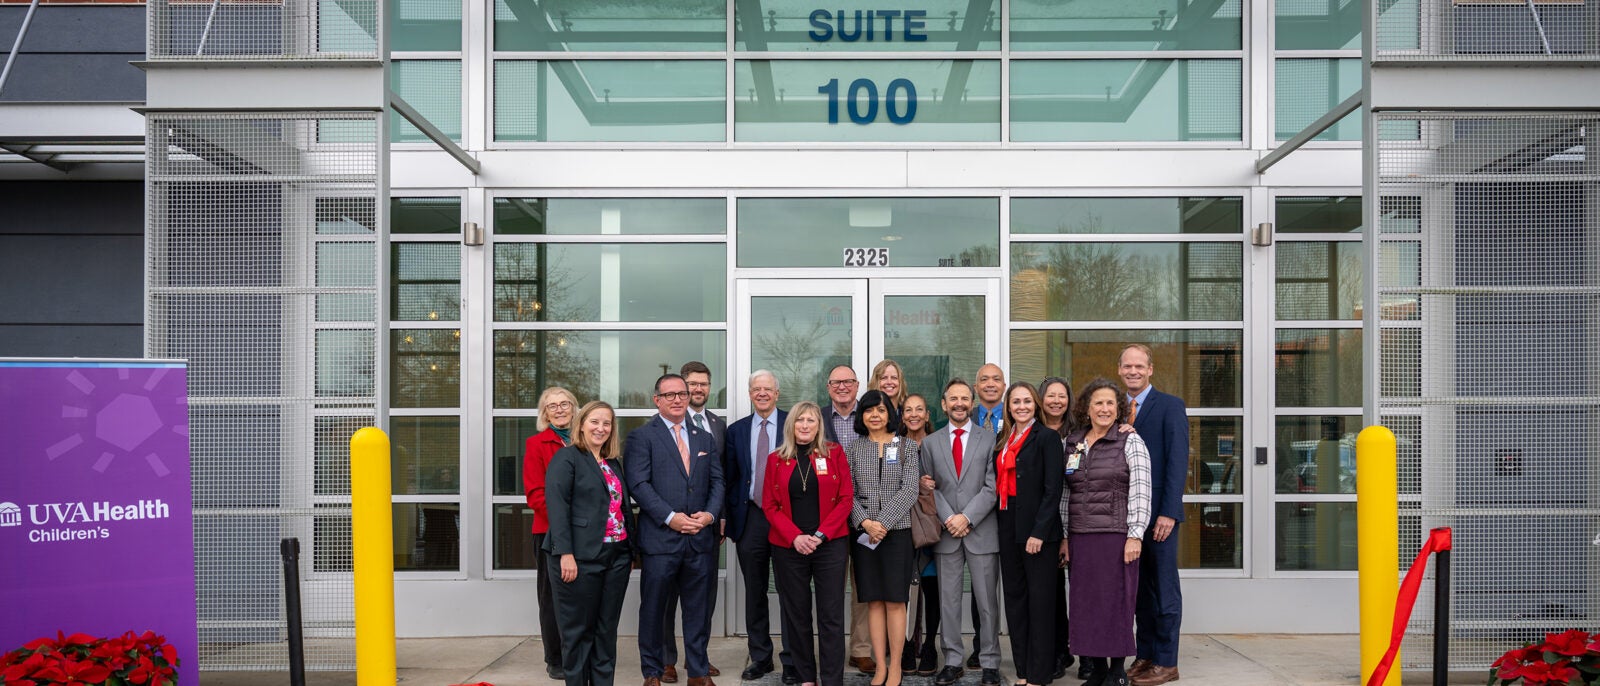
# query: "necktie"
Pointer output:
{"type": "Point", "coordinates": [700, 421]}
{"type": "Point", "coordinates": [1133, 409]}
{"type": "Point", "coordinates": [955, 450]}
{"type": "Point", "coordinates": [759, 469]}
{"type": "Point", "coordinates": [683, 448]}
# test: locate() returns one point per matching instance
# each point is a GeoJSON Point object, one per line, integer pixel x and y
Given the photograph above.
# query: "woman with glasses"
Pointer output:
{"type": "Point", "coordinates": [808, 498]}
{"type": "Point", "coordinates": [556, 405]}
{"type": "Point", "coordinates": [591, 534]}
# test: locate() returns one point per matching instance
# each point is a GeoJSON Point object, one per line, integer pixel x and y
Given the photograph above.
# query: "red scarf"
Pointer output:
{"type": "Point", "coordinates": [1006, 466]}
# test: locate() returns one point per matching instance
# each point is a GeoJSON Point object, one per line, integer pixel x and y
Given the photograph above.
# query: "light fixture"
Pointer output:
{"type": "Point", "coordinates": [471, 234]}
{"type": "Point", "coordinates": [1261, 236]}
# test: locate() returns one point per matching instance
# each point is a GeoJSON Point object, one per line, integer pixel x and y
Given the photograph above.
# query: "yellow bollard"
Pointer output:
{"type": "Point", "coordinates": [372, 541]}
{"type": "Point", "coordinates": [1378, 534]}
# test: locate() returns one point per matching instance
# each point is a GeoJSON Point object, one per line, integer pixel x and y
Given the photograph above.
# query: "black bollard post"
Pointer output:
{"type": "Point", "coordinates": [1441, 617]}
{"type": "Point", "coordinates": [289, 548]}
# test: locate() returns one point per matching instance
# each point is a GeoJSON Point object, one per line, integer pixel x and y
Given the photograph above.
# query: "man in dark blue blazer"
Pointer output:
{"type": "Point", "coordinates": [675, 475]}
{"type": "Point", "coordinates": [1163, 422]}
{"type": "Point", "coordinates": [744, 460]}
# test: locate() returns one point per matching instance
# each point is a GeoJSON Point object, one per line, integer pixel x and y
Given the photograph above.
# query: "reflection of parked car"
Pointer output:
{"type": "Point", "coordinates": [1300, 474]}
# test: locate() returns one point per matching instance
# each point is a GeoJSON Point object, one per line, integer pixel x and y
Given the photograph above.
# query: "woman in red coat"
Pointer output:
{"type": "Point", "coordinates": [807, 500]}
{"type": "Point", "coordinates": [556, 407]}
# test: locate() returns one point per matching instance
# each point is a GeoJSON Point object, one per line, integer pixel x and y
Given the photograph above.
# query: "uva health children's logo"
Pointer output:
{"type": "Point", "coordinates": [80, 521]}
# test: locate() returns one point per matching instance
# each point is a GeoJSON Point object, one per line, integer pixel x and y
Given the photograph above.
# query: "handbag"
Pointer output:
{"type": "Point", "coordinates": [925, 528]}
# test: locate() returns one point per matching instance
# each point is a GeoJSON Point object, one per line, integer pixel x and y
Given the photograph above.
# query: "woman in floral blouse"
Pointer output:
{"type": "Point", "coordinates": [591, 533]}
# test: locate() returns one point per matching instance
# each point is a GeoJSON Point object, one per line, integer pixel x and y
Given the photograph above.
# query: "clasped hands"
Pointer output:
{"type": "Point", "coordinates": [875, 531]}
{"type": "Point", "coordinates": [691, 524]}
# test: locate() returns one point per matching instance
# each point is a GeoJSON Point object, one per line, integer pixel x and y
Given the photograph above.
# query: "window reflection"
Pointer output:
{"type": "Point", "coordinates": [1317, 454]}
{"type": "Point", "coordinates": [425, 368]}
{"type": "Point", "coordinates": [610, 282]}
{"type": "Point", "coordinates": [1127, 215]}
{"type": "Point", "coordinates": [1126, 100]}
{"type": "Point", "coordinates": [1212, 536]}
{"type": "Point", "coordinates": [610, 100]}
{"type": "Point", "coordinates": [1215, 461]}
{"type": "Point", "coordinates": [616, 25]}
{"type": "Point", "coordinates": [1318, 367]}
{"type": "Point", "coordinates": [1125, 25]}
{"type": "Point", "coordinates": [427, 455]}
{"type": "Point", "coordinates": [427, 537]}
{"type": "Point", "coordinates": [1316, 536]}
{"type": "Point", "coordinates": [619, 367]}
{"type": "Point", "coordinates": [1200, 366]}
{"type": "Point", "coordinates": [917, 232]}
{"type": "Point", "coordinates": [1126, 281]}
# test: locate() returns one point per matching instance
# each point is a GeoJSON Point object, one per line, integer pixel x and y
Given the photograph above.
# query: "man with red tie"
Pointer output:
{"type": "Point", "coordinates": [957, 458]}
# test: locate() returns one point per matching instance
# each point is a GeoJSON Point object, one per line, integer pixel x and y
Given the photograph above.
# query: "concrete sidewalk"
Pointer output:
{"type": "Point", "coordinates": [1205, 660]}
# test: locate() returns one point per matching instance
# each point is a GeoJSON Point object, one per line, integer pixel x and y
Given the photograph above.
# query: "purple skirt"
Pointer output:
{"type": "Point", "coordinates": [1103, 593]}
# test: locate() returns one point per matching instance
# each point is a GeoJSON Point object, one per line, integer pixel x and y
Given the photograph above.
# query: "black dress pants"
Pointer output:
{"type": "Point", "coordinates": [549, 631]}
{"type": "Point", "coordinates": [797, 575]}
{"type": "Point", "coordinates": [1030, 590]}
{"type": "Point", "coordinates": [590, 607]}
{"type": "Point", "coordinates": [755, 565]}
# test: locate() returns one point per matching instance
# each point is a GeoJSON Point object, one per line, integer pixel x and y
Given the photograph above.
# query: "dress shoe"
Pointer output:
{"type": "Point", "coordinates": [755, 670]}
{"type": "Point", "coordinates": [991, 677]}
{"type": "Point", "coordinates": [949, 675]}
{"type": "Point", "coordinates": [865, 665]}
{"type": "Point", "coordinates": [711, 670]}
{"type": "Point", "coordinates": [652, 681]}
{"type": "Point", "coordinates": [701, 681]}
{"type": "Point", "coordinates": [555, 672]}
{"type": "Point", "coordinates": [972, 660]}
{"type": "Point", "coordinates": [1156, 674]}
{"type": "Point", "coordinates": [791, 676]}
{"type": "Point", "coordinates": [1139, 667]}
{"type": "Point", "coordinates": [1063, 661]}
{"type": "Point", "coordinates": [1085, 670]}
{"type": "Point", "coordinates": [669, 675]}
{"type": "Point", "coordinates": [928, 663]}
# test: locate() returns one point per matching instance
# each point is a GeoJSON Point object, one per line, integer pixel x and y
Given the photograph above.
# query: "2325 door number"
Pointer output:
{"type": "Point", "coordinates": [866, 257]}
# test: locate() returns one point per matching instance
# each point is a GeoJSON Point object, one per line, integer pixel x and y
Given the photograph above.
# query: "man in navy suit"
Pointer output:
{"type": "Point", "coordinates": [1163, 422]}
{"type": "Point", "coordinates": [698, 376]}
{"type": "Point", "coordinates": [675, 475]}
{"type": "Point", "coordinates": [749, 442]}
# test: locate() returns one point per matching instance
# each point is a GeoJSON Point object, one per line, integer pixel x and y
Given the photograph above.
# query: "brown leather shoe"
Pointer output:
{"type": "Point", "coordinates": [864, 664]}
{"type": "Point", "coordinates": [1140, 666]}
{"type": "Point", "coordinates": [1156, 674]}
{"type": "Point", "coordinates": [652, 681]}
{"type": "Point", "coordinates": [701, 681]}
{"type": "Point", "coordinates": [669, 675]}
{"type": "Point", "coordinates": [713, 671]}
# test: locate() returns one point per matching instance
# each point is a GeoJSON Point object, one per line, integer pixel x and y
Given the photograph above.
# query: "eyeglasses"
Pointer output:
{"type": "Point", "coordinates": [843, 383]}
{"type": "Point", "coordinates": [697, 384]}
{"type": "Point", "coordinates": [563, 405]}
{"type": "Point", "coordinates": [675, 395]}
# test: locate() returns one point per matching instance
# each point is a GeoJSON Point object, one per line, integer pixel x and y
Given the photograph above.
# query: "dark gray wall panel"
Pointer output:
{"type": "Point", "coordinates": [72, 269]}
{"type": "Point", "coordinates": [76, 53]}
{"type": "Point", "coordinates": [71, 341]}
{"type": "Point", "coordinates": [58, 208]}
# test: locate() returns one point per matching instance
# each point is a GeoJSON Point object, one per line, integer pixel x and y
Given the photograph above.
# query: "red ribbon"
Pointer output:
{"type": "Point", "coordinates": [1438, 540]}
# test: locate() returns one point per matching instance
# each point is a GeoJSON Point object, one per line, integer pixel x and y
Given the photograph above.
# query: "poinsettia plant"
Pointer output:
{"type": "Point", "coordinates": [1570, 658]}
{"type": "Point", "coordinates": [83, 660]}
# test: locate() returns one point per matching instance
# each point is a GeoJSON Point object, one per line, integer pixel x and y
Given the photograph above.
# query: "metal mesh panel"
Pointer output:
{"type": "Point", "coordinates": [260, 271]}
{"type": "Point", "coordinates": [1488, 29]}
{"type": "Point", "coordinates": [1490, 283]}
{"type": "Point", "coordinates": [262, 29]}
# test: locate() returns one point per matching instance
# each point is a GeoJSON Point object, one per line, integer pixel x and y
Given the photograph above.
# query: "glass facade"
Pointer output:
{"type": "Point", "coordinates": [755, 184]}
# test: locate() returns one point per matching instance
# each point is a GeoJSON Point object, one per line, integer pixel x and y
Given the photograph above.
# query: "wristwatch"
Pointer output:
{"type": "Point", "coordinates": [821, 537]}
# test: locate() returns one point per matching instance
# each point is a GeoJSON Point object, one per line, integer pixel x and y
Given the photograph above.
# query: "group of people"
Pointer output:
{"type": "Point", "coordinates": [1052, 500]}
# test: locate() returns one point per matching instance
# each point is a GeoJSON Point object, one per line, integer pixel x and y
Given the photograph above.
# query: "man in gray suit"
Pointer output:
{"type": "Point", "coordinates": [957, 458]}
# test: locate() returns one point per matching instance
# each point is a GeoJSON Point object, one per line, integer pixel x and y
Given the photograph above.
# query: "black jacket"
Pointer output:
{"type": "Point", "coordinates": [579, 503]}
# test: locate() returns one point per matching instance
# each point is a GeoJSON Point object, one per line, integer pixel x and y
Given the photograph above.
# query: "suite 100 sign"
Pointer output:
{"type": "Point", "coordinates": [862, 97]}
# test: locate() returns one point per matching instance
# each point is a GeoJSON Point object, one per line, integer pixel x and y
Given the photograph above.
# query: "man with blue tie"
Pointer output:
{"type": "Point", "coordinates": [675, 475]}
{"type": "Point", "coordinates": [1163, 422]}
{"type": "Point", "coordinates": [748, 443]}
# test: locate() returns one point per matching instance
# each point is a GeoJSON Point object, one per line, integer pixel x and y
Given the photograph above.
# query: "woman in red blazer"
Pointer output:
{"type": "Point", "coordinates": [556, 408]}
{"type": "Point", "coordinates": [807, 499]}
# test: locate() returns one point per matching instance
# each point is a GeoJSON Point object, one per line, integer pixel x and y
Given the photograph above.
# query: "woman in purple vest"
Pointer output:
{"type": "Point", "coordinates": [1106, 509]}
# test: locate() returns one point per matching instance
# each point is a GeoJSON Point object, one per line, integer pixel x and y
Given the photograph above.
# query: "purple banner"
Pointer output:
{"type": "Point", "coordinates": [95, 509]}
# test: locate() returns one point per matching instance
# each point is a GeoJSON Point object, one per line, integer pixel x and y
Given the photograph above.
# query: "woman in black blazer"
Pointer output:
{"type": "Point", "coordinates": [1028, 480]}
{"type": "Point", "coordinates": [591, 533]}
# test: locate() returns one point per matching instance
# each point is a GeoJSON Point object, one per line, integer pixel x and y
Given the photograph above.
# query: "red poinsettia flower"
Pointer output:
{"type": "Point", "coordinates": [1567, 643]}
{"type": "Point", "coordinates": [1562, 672]}
{"type": "Point", "coordinates": [44, 643]}
{"type": "Point", "coordinates": [144, 672]}
{"type": "Point", "coordinates": [14, 673]}
{"type": "Point", "coordinates": [1594, 643]}
{"type": "Point", "coordinates": [79, 639]}
{"type": "Point", "coordinates": [70, 672]}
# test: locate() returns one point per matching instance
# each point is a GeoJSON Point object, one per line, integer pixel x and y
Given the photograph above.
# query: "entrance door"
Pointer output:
{"type": "Point", "coordinates": [801, 328]}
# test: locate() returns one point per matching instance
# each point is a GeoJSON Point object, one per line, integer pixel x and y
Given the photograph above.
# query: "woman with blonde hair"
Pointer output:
{"type": "Point", "coordinates": [554, 424]}
{"type": "Point", "coordinates": [591, 533]}
{"type": "Point", "coordinates": [807, 500]}
{"type": "Point", "coordinates": [887, 376]}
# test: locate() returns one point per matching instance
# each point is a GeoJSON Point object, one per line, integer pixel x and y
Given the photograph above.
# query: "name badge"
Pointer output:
{"type": "Point", "coordinates": [891, 455]}
{"type": "Point", "coordinates": [1072, 462]}
{"type": "Point", "coordinates": [822, 466]}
